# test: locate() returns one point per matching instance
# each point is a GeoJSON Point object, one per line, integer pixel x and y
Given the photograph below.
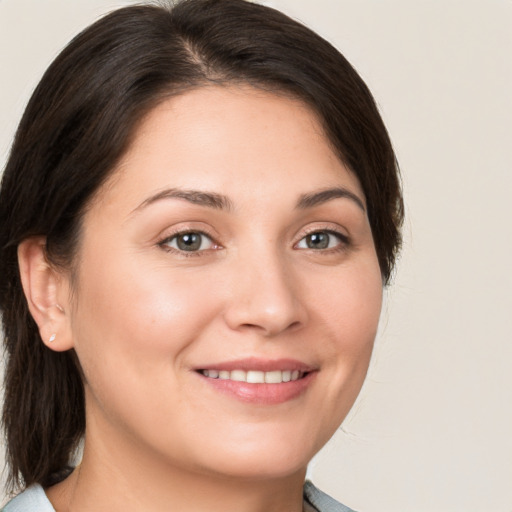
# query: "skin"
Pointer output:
{"type": "Point", "coordinates": [143, 315]}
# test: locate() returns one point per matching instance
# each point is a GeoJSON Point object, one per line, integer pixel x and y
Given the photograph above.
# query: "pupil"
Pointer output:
{"type": "Point", "coordinates": [189, 242]}
{"type": "Point", "coordinates": [318, 241]}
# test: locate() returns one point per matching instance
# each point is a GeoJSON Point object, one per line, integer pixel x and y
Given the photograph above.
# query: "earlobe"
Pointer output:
{"type": "Point", "coordinates": [43, 285]}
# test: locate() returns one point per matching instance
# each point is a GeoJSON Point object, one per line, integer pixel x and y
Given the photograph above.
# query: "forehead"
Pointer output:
{"type": "Point", "coordinates": [230, 138]}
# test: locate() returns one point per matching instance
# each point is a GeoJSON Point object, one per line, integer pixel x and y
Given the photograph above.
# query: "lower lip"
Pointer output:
{"type": "Point", "coordinates": [262, 394]}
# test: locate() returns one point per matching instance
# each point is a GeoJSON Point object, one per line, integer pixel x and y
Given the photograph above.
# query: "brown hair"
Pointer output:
{"type": "Point", "coordinates": [78, 124]}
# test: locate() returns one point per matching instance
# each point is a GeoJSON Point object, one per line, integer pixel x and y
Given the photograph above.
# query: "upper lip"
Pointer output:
{"type": "Point", "coordinates": [258, 364]}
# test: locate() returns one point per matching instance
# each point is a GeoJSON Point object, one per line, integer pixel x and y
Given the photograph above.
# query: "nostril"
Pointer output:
{"type": "Point", "coordinates": [270, 328]}
{"type": "Point", "coordinates": [294, 325]}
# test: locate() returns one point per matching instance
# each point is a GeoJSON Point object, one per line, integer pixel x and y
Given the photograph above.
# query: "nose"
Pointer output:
{"type": "Point", "coordinates": [265, 297]}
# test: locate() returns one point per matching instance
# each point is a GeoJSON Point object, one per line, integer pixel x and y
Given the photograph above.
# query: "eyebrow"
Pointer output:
{"type": "Point", "coordinates": [222, 202]}
{"type": "Point", "coordinates": [318, 198]}
{"type": "Point", "coordinates": [208, 199]}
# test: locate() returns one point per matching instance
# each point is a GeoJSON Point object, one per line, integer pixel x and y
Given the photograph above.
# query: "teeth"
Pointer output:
{"type": "Point", "coordinates": [255, 377]}
{"type": "Point", "coordinates": [274, 377]}
{"type": "Point", "coordinates": [238, 375]}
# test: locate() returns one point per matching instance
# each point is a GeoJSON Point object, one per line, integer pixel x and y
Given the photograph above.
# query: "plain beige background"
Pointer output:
{"type": "Point", "coordinates": [432, 430]}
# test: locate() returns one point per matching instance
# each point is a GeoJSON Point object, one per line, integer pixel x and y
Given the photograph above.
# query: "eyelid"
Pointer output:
{"type": "Point", "coordinates": [169, 235]}
{"type": "Point", "coordinates": [344, 239]}
{"type": "Point", "coordinates": [328, 228]}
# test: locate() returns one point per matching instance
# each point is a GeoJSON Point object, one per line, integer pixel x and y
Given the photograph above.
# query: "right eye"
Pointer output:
{"type": "Point", "coordinates": [189, 241]}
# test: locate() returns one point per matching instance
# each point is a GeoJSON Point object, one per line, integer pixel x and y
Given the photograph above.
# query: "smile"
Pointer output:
{"type": "Point", "coordinates": [255, 376]}
{"type": "Point", "coordinates": [259, 381]}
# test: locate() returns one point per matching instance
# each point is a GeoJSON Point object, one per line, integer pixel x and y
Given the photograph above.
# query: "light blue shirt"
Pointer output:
{"type": "Point", "coordinates": [34, 499]}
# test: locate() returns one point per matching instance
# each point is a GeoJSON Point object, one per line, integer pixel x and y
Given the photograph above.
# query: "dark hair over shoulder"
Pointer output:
{"type": "Point", "coordinates": [80, 121]}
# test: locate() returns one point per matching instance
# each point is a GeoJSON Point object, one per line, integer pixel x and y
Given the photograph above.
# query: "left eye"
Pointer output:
{"type": "Point", "coordinates": [191, 241]}
{"type": "Point", "coordinates": [320, 240]}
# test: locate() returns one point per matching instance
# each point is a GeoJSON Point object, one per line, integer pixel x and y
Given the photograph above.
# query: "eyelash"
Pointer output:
{"type": "Point", "coordinates": [174, 236]}
{"type": "Point", "coordinates": [343, 242]}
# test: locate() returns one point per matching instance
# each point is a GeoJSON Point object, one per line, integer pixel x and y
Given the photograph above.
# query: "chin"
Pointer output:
{"type": "Point", "coordinates": [260, 460]}
{"type": "Point", "coordinates": [262, 468]}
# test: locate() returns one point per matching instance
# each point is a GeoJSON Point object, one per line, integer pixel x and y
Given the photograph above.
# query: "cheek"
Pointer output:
{"type": "Point", "coordinates": [353, 304]}
{"type": "Point", "coordinates": [350, 314]}
{"type": "Point", "coordinates": [135, 317]}
{"type": "Point", "coordinates": [134, 328]}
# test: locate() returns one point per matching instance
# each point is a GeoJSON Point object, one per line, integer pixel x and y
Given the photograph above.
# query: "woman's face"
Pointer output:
{"type": "Point", "coordinates": [228, 290]}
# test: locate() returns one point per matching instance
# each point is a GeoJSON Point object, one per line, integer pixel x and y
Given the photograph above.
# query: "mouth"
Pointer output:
{"type": "Point", "coordinates": [258, 381]}
{"type": "Point", "coordinates": [255, 376]}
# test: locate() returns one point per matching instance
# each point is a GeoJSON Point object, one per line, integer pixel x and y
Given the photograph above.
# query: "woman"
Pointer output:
{"type": "Point", "coordinates": [198, 215]}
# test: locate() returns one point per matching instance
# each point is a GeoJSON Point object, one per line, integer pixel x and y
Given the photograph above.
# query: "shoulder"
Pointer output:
{"type": "Point", "coordinates": [321, 501]}
{"type": "Point", "coordinates": [32, 499]}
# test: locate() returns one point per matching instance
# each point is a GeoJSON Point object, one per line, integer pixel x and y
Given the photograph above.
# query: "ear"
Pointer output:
{"type": "Point", "coordinates": [47, 293]}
